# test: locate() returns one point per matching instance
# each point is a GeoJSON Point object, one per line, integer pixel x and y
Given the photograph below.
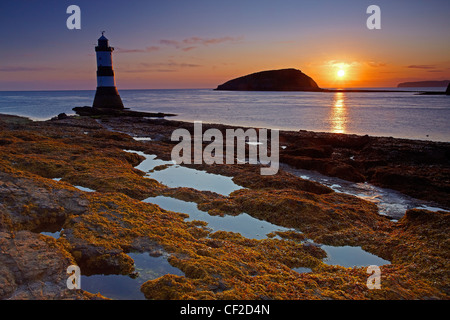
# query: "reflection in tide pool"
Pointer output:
{"type": "Point", "coordinates": [84, 189]}
{"type": "Point", "coordinates": [78, 187]}
{"type": "Point", "coordinates": [174, 176]}
{"type": "Point", "coordinates": [243, 223]}
{"type": "Point", "coordinates": [124, 287]}
{"type": "Point", "coordinates": [348, 256]}
{"type": "Point", "coordinates": [56, 234]}
{"type": "Point", "coordinates": [302, 269]}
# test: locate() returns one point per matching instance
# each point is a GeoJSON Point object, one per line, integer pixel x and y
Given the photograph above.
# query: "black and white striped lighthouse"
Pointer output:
{"type": "Point", "coordinates": [107, 95]}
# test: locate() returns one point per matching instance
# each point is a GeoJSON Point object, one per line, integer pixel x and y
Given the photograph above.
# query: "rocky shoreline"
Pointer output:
{"type": "Point", "coordinates": [98, 229]}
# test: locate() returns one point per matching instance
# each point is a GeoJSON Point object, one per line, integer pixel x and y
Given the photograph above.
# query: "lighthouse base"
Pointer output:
{"type": "Point", "coordinates": [107, 97]}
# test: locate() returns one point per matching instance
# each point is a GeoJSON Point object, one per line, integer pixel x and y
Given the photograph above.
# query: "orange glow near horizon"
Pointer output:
{"type": "Point", "coordinates": [208, 67]}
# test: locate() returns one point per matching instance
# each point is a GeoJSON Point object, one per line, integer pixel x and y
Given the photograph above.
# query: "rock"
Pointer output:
{"type": "Point", "coordinates": [273, 80]}
{"type": "Point", "coordinates": [448, 90]}
{"type": "Point", "coordinates": [34, 267]}
{"type": "Point", "coordinates": [421, 217]}
{"type": "Point", "coordinates": [168, 287]}
{"type": "Point", "coordinates": [313, 151]}
{"type": "Point", "coordinates": [346, 172]}
{"type": "Point", "coordinates": [91, 111]}
{"type": "Point", "coordinates": [34, 205]}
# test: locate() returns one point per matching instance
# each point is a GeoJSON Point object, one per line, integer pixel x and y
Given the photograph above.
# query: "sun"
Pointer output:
{"type": "Point", "coordinates": [341, 73]}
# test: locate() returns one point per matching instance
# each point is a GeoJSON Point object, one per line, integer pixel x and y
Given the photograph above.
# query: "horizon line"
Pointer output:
{"type": "Point", "coordinates": [213, 89]}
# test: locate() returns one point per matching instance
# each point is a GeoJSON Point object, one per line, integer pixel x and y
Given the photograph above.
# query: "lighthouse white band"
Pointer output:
{"type": "Point", "coordinates": [105, 82]}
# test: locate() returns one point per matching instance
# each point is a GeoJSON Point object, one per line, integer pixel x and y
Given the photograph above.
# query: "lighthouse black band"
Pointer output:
{"type": "Point", "coordinates": [105, 72]}
{"type": "Point", "coordinates": [107, 97]}
{"type": "Point", "coordinates": [102, 48]}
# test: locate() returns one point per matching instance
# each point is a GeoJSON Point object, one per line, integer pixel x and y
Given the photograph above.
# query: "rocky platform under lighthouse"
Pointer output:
{"type": "Point", "coordinates": [106, 95]}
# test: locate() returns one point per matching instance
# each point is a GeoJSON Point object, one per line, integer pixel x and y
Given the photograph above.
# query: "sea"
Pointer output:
{"type": "Point", "coordinates": [394, 114]}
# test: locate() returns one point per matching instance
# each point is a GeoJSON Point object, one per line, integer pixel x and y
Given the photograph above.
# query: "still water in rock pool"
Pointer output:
{"type": "Point", "coordinates": [253, 228]}
{"type": "Point", "coordinates": [178, 176]}
{"type": "Point", "coordinates": [171, 175]}
{"type": "Point", "coordinates": [243, 223]}
{"type": "Point", "coordinates": [125, 287]}
{"type": "Point", "coordinates": [347, 256]}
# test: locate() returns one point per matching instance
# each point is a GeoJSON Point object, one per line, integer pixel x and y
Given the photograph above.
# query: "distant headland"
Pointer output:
{"type": "Point", "coordinates": [424, 84]}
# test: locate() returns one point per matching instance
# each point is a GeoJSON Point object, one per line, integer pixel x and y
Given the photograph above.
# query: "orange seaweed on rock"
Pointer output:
{"type": "Point", "coordinates": [91, 160]}
{"type": "Point", "coordinates": [420, 239]}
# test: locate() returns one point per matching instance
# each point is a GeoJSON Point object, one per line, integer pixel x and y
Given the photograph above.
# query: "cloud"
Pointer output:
{"type": "Point", "coordinates": [340, 64]}
{"type": "Point", "coordinates": [169, 42]}
{"type": "Point", "coordinates": [344, 64]}
{"type": "Point", "coordinates": [193, 42]}
{"type": "Point", "coordinates": [152, 48]}
{"type": "Point", "coordinates": [169, 66]}
{"type": "Point", "coordinates": [187, 44]}
{"type": "Point", "coordinates": [145, 70]}
{"type": "Point", "coordinates": [375, 64]}
{"type": "Point", "coordinates": [421, 66]}
{"type": "Point", "coordinates": [189, 48]}
{"type": "Point", "coordinates": [208, 41]}
{"type": "Point", "coordinates": [147, 49]}
{"type": "Point", "coordinates": [122, 50]}
{"type": "Point", "coordinates": [25, 69]}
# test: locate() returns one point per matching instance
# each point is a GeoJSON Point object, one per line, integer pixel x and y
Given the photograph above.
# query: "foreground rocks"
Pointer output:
{"type": "Point", "coordinates": [417, 168]}
{"type": "Point", "coordinates": [99, 229]}
{"type": "Point", "coordinates": [33, 267]}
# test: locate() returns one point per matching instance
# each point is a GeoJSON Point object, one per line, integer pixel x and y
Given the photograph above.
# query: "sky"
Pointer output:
{"type": "Point", "coordinates": [201, 44]}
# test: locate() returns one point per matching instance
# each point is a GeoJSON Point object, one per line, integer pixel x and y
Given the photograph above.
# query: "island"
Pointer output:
{"type": "Point", "coordinates": [272, 80]}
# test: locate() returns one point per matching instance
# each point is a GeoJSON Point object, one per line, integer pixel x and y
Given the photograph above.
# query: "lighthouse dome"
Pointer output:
{"type": "Point", "coordinates": [103, 42]}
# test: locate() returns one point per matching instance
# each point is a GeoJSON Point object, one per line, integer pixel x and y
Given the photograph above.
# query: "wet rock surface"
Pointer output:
{"type": "Point", "coordinates": [99, 229]}
{"type": "Point", "coordinates": [33, 266]}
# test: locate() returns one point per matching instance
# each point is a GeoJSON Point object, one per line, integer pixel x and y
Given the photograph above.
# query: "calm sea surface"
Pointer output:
{"type": "Point", "coordinates": [396, 114]}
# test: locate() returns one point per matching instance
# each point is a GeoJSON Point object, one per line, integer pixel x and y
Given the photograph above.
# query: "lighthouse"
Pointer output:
{"type": "Point", "coordinates": [107, 95]}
